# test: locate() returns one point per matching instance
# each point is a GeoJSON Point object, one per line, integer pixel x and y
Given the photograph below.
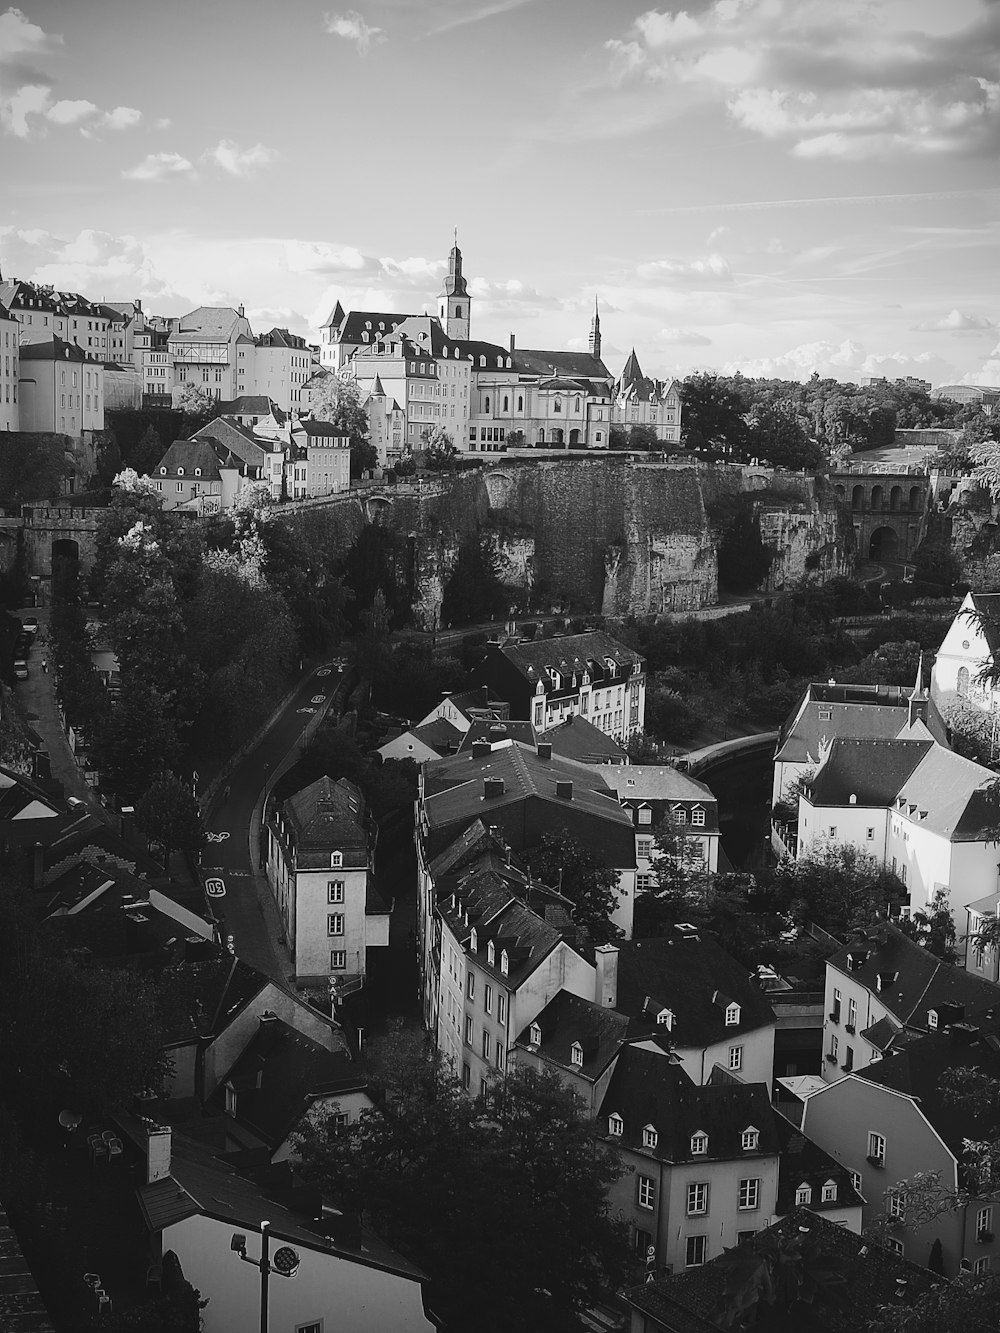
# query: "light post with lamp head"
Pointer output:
{"type": "Point", "coordinates": [286, 1264]}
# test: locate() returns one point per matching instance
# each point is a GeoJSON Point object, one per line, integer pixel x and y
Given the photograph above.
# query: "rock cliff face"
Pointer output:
{"type": "Point", "coordinates": [970, 523]}
{"type": "Point", "coordinates": [604, 534]}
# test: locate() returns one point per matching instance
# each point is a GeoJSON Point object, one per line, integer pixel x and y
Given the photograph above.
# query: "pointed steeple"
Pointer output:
{"type": "Point", "coordinates": [918, 687]}
{"type": "Point", "coordinates": [595, 331]}
{"type": "Point", "coordinates": [377, 390]}
{"type": "Point", "coordinates": [918, 703]}
{"type": "Point", "coordinates": [454, 302]}
{"type": "Point", "coordinates": [632, 372]}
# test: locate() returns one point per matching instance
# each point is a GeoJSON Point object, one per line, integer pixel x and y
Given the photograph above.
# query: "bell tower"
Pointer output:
{"type": "Point", "coordinates": [595, 332]}
{"type": "Point", "coordinates": [454, 301]}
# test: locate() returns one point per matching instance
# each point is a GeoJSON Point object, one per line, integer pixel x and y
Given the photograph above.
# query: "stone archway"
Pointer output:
{"type": "Point", "coordinates": [884, 544]}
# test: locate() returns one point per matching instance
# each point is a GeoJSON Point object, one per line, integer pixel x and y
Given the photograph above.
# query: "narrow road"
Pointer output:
{"type": "Point", "coordinates": [245, 907]}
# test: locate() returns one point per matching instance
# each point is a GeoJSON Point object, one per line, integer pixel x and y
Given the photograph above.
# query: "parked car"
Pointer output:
{"type": "Point", "coordinates": [30, 623]}
{"type": "Point", "coordinates": [20, 669]}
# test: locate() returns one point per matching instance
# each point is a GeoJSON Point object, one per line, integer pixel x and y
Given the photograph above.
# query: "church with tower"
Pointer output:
{"type": "Point", "coordinates": [424, 374]}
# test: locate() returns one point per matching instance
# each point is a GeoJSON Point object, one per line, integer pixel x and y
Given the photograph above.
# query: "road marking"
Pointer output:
{"type": "Point", "coordinates": [305, 710]}
{"type": "Point", "coordinates": [323, 671]}
{"type": "Point", "coordinates": [318, 699]}
{"type": "Point", "coordinates": [216, 837]}
{"type": "Point", "coordinates": [215, 888]}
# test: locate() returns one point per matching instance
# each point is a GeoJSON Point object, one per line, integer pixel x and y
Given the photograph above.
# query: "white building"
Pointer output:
{"type": "Point", "coordinates": [212, 348]}
{"type": "Point", "coordinates": [61, 388]}
{"type": "Point", "coordinates": [969, 649]}
{"type": "Point", "coordinates": [9, 369]}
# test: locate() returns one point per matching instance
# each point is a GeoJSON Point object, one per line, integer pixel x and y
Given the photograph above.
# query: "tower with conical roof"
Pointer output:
{"type": "Point", "coordinates": [454, 302]}
{"type": "Point", "coordinates": [595, 332]}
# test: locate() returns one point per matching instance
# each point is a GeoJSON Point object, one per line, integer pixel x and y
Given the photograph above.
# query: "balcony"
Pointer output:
{"type": "Point", "coordinates": [876, 1161]}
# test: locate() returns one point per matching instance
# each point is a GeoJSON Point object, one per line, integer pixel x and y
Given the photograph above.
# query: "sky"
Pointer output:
{"type": "Point", "coordinates": [768, 186]}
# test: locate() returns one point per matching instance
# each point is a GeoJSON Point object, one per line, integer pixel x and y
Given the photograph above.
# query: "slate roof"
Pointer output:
{"type": "Point", "coordinates": [470, 844]}
{"type": "Point", "coordinates": [440, 735]}
{"type": "Point", "coordinates": [426, 335]}
{"type": "Point", "coordinates": [476, 703]}
{"type": "Point", "coordinates": [282, 338]}
{"type": "Point", "coordinates": [321, 429]}
{"type": "Point", "coordinates": [871, 771]}
{"type": "Point", "coordinates": [200, 999]}
{"type": "Point", "coordinates": [922, 982]}
{"type": "Point", "coordinates": [351, 325]}
{"type": "Point", "coordinates": [208, 323]}
{"type": "Point", "coordinates": [53, 348]}
{"type": "Point", "coordinates": [190, 455]}
{"type": "Point", "coordinates": [657, 782]}
{"type": "Point", "coordinates": [572, 364]}
{"type": "Point", "coordinates": [804, 1162]}
{"type": "Point", "coordinates": [960, 797]}
{"type": "Point", "coordinates": [568, 653]}
{"type": "Point", "coordinates": [579, 739]}
{"type": "Point", "coordinates": [493, 732]}
{"type": "Point", "coordinates": [328, 815]}
{"type": "Point", "coordinates": [691, 975]}
{"type": "Point", "coordinates": [861, 712]}
{"type": "Point", "coordinates": [649, 1089]}
{"type": "Point", "coordinates": [251, 405]}
{"type": "Point", "coordinates": [280, 1073]}
{"type": "Point", "coordinates": [19, 793]}
{"type": "Point", "coordinates": [567, 1019]}
{"type": "Point", "coordinates": [917, 1069]}
{"type": "Point", "coordinates": [231, 437]}
{"type": "Point", "coordinates": [860, 1277]}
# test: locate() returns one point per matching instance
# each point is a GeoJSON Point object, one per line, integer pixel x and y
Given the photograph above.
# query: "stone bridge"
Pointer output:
{"type": "Point", "coordinates": [888, 509]}
{"type": "Point", "coordinates": [58, 530]}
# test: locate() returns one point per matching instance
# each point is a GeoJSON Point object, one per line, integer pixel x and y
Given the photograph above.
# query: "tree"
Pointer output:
{"type": "Point", "coordinates": [337, 398]}
{"type": "Point", "coordinates": [744, 560]}
{"type": "Point", "coordinates": [32, 467]}
{"type": "Point", "coordinates": [440, 450]}
{"type": "Point", "coordinates": [474, 590]}
{"type": "Point", "coordinates": [713, 412]}
{"type": "Point", "coordinates": [564, 862]}
{"type": "Point", "coordinates": [515, 1184]}
{"type": "Point", "coordinates": [138, 741]}
{"type": "Point", "coordinates": [643, 437]}
{"type": "Point", "coordinates": [776, 435]}
{"type": "Point", "coordinates": [837, 887]}
{"type": "Point", "coordinates": [972, 1304]}
{"type": "Point", "coordinates": [617, 438]}
{"type": "Point", "coordinates": [169, 814]}
{"type": "Point", "coordinates": [934, 927]}
{"type": "Point", "coordinates": [199, 405]}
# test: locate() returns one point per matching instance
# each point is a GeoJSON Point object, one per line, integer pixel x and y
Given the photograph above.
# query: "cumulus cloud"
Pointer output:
{"type": "Point", "coordinates": [956, 322]}
{"type": "Point", "coordinates": [684, 337]}
{"type": "Point", "coordinates": [159, 167]}
{"type": "Point", "coordinates": [325, 258]}
{"type": "Point", "coordinates": [351, 27]}
{"type": "Point", "coordinates": [97, 263]}
{"type": "Point", "coordinates": [713, 269]}
{"type": "Point", "coordinates": [239, 161]}
{"type": "Point", "coordinates": [20, 37]}
{"type": "Point", "coordinates": [829, 81]}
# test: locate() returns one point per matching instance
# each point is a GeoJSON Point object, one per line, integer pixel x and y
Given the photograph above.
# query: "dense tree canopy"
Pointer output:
{"type": "Point", "coordinates": [337, 398]}
{"type": "Point", "coordinates": [563, 862]}
{"type": "Point", "coordinates": [475, 590]}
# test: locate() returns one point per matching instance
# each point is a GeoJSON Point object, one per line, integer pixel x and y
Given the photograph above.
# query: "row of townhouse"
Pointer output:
{"type": "Point", "coordinates": [430, 372]}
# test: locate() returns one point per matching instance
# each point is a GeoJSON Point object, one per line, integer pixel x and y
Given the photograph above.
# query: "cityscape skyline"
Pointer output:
{"type": "Point", "coordinates": [752, 185]}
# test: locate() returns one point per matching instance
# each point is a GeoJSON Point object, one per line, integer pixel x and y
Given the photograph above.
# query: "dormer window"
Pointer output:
{"type": "Point", "coordinates": [732, 1015]}
{"type": "Point", "coordinates": [535, 1035]}
{"type": "Point", "coordinates": [665, 1019]}
{"type": "Point", "coordinates": [750, 1139]}
{"type": "Point", "coordinates": [163, 471]}
{"type": "Point", "coordinates": [699, 1144]}
{"type": "Point", "coordinates": [830, 1192]}
{"type": "Point", "coordinates": [197, 472]}
{"type": "Point", "coordinates": [932, 1020]}
{"type": "Point", "coordinates": [491, 953]}
{"type": "Point", "coordinates": [680, 814]}
{"type": "Point", "coordinates": [474, 941]}
{"type": "Point", "coordinates": [576, 1054]}
{"type": "Point", "coordinates": [336, 859]}
{"type": "Point", "coordinates": [698, 816]}
{"type": "Point", "coordinates": [615, 1125]}
{"type": "Point", "coordinates": [504, 963]}
{"type": "Point", "coordinates": [650, 1138]}
{"type": "Point", "coordinates": [803, 1195]}
{"type": "Point", "coordinates": [180, 472]}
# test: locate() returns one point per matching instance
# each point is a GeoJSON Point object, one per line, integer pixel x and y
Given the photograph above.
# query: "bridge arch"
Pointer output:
{"type": "Point", "coordinates": [895, 498]}
{"type": "Point", "coordinates": [877, 497]}
{"type": "Point", "coordinates": [916, 495]}
{"type": "Point", "coordinates": [858, 497]}
{"type": "Point", "coordinates": [884, 544]}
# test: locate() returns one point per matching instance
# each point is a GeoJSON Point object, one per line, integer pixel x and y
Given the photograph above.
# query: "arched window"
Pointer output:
{"type": "Point", "coordinates": [576, 404]}
{"type": "Point", "coordinates": [876, 497]}
{"type": "Point", "coordinates": [486, 403]}
{"type": "Point", "coordinates": [520, 402]}
{"type": "Point", "coordinates": [962, 684]}
{"type": "Point", "coordinates": [458, 312]}
{"type": "Point", "coordinates": [500, 362]}
{"type": "Point", "coordinates": [482, 361]}
{"type": "Point", "coordinates": [557, 405]}
{"type": "Point", "coordinates": [197, 472]}
{"type": "Point", "coordinates": [508, 363]}
{"type": "Point", "coordinates": [163, 471]}
{"type": "Point", "coordinates": [180, 472]}
{"type": "Point", "coordinates": [858, 497]}
{"type": "Point", "coordinates": [506, 403]}
{"type": "Point", "coordinates": [541, 437]}
{"type": "Point", "coordinates": [914, 497]}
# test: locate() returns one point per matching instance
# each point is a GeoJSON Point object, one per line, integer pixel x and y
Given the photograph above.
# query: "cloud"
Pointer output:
{"type": "Point", "coordinates": [20, 37]}
{"type": "Point", "coordinates": [717, 234]}
{"type": "Point", "coordinates": [714, 269]}
{"type": "Point", "coordinates": [351, 27]}
{"type": "Point", "coordinates": [70, 113]}
{"type": "Point", "coordinates": [97, 263]}
{"type": "Point", "coordinates": [160, 166]}
{"type": "Point", "coordinates": [121, 118]}
{"type": "Point", "coordinates": [487, 11]}
{"type": "Point", "coordinates": [829, 82]}
{"type": "Point", "coordinates": [31, 99]}
{"type": "Point", "coordinates": [324, 258]}
{"type": "Point", "coordinates": [956, 322]}
{"type": "Point", "coordinates": [239, 161]}
{"type": "Point", "coordinates": [686, 337]}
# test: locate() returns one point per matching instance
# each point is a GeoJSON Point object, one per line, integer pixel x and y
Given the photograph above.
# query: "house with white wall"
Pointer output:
{"type": "Point", "coordinates": [660, 798]}
{"type": "Point", "coordinates": [967, 651]}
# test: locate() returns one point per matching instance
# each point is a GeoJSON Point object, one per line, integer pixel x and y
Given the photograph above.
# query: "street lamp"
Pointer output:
{"type": "Point", "coordinates": [286, 1264]}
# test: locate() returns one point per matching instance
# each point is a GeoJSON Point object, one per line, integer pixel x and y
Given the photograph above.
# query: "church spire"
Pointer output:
{"type": "Point", "coordinates": [595, 332]}
{"type": "Point", "coordinates": [454, 301]}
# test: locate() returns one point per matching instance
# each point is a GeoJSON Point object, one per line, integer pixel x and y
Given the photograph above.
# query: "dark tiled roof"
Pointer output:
{"type": "Point", "coordinates": [477, 703]}
{"type": "Point", "coordinates": [18, 793]}
{"type": "Point", "coordinates": [200, 999]}
{"type": "Point", "coordinates": [870, 771]}
{"type": "Point", "coordinates": [960, 797]}
{"type": "Point", "coordinates": [567, 1019]}
{"type": "Point", "coordinates": [327, 816]}
{"type": "Point", "coordinates": [693, 977]}
{"type": "Point", "coordinates": [569, 653]}
{"type": "Point", "coordinates": [804, 1162]}
{"type": "Point", "coordinates": [282, 338]}
{"type": "Point", "coordinates": [919, 980]}
{"type": "Point", "coordinates": [208, 323]}
{"type": "Point", "coordinates": [859, 712]}
{"type": "Point", "coordinates": [493, 732]}
{"type": "Point", "coordinates": [236, 439]}
{"type": "Point", "coordinates": [647, 1089]}
{"type": "Point", "coordinates": [191, 455]}
{"type": "Point", "coordinates": [576, 738]}
{"type": "Point", "coordinates": [53, 349]}
{"type": "Point", "coordinates": [472, 843]}
{"type": "Point", "coordinates": [859, 1276]}
{"type": "Point", "coordinates": [440, 735]}
{"type": "Point", "coordinates": [351, 325]}
{"type": "Point", "coordinates": [280, 1073]}
{"type": "Point", "coordinates": [251, 405]}
{"type": "Point", "coordinates": [572, 364]}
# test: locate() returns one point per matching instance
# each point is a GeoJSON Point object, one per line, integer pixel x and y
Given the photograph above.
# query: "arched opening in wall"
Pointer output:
{"type": "Point", "coordinates": [858, 497]}
{"type": "Point", "coordinates": [557, 436]}
{"type": "Point", "coordinates": [884, 544]}
{"type": "Point", "coordinates": [65, 569]}
{"type": "Point", "coordinates": [895, 498]}
{"type": "Point", "coordinates": [962, 683]}
{"type": "Point", "coordinates": [541, 437]}
{"type": "Point", "coordinates": [914, 497]}
{"type": "Point", "coordinates": [839, 491]}
{"type": "Point", "coordinates": [574, 438]}
{"type": "Point", "coordinates": [876, 497]}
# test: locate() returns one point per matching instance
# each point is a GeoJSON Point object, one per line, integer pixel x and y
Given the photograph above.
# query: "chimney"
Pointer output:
{"type": "Point", "coordinates": [545, 749]}
{"type": "Point", "coordinates": [127, 822]}
{"type": "Point", "coordinates": [564, 789]}
{"type": "Point", "coordinates": [480, 749]}
{"type": "Point", "coordinates": [137, 305]}
{"type": "Point", "coordinates": [606, 962]}
{"type": "Point", "coordinates": [512, 344]}
{"type": "Point", "coordinates": [38, 866]}
{"type": "Point", "coordinates": [492, 787]}
{"type": "Point", "coordinates": [157, 1153]}
{"type": "Point", "coordinates": [240, 311]}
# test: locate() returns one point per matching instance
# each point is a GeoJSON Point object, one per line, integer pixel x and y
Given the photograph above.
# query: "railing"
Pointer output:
{"type": "Point", "coordinates": [784, 839]}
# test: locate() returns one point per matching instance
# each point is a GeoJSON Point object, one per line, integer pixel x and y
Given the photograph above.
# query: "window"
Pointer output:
{"type": "Point", "coordinates": [732, 1015]}
{"type": "Point", "coordinates": [699, 1144]}
{"type": "Point", "coordinates": [932, 1020]}
{"type": "Point", "coordinates": [315, 1327]}
{"type": "Point", "coordinates": [876, 1148]}
{"type": "Point", "coordinates": [665, 1019]}
{"type": "Point", "coordinates": [180, 488]}
{"type": "Point", "coordinates": [982, 1265]}
{"type": "Point", "coordinates": [698, 817]}
{"type": "Point", "coordinates": [535, 1035]}
{"type": "Point", "coordinates": [576, 1054]}
{"type": "Point", "coordinates": [893, 1245]}
{"type": "Point", "coordinates": [650, 1138]}
{"type": "Point", "coordinates": [644, 881]}
{"type": "Point", "coordinates": [834, 1047]}
{"type": "Point", "coordinates": [470, 985]}
{"type": "Point", "coordinates": [835, 1010]}
{"type": "Point", "coordinates": [335, 891]}
{"type": "Point", "coordinates": [486, 1043]}
{"type": "Point", "coordinates": [466, 1077]}
{"type": "Point", "coordinates": [984, 1224]}
{"type": "Point", "coordinates": [504, 963]}
{"type": "Point", "coordinates": [501, 1007]}
{"type": "Point", "coordinates": [736, 1057]}
{"type": "Point", "coordinates": [829, 1194]}
{"type": "Point", "coordinates": [645, 815]}
{"type": "Point", "coordinates": [695, 1250]}
{"type": "Point", "coordinates": [615, 1125]}
{"type": "Point", "coordinates": [336, 859]}
{"type": "Point", "coordinates": [491, 954]}
{"type": "Point", "coordinates": [852, 1015]}
{"type": "Point", "coordinates": [832, 831]}
{"type": "Point", "coordinates": [803, 1194]}
{"type": "Point", "coordinates": [646, 1193]}
{"type": "Point", "coordinates": [474, 941]}
{"type": "Point", "coordinates": [697, 1198]}
{"type": "Point", "coordinates": [743, 1236]}
{"type": "Point", "coordinates": [680, 814]}
{"type": "Point", "coordinates": [870, 834]}
{"type": "Point", "coordinates": [338, 960]}
{"type": "Point", "coordinates": [856, 1181]}
{"type": "Point", "coordinates": [749, 1193]}
{"type": "Point", "coordinates": [848, 1059]}
{"type": "Point", "coordinates": [644, 848]}
{"type": "Point", "coordinates": [488, 999]}
{"type": "Point", "coordinates": [501, 1054]}
{"type": "Point", "coordinates": [335, 923]}
{"type": "Point", "coordinates": [751, 1137]}
{"type": "Point", "coordinates": [468, 1029]}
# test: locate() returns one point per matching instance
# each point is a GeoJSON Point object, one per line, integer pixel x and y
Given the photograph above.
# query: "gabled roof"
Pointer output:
{"type": "Point", "coordinates": [690, 974]}
{"type": "Point", "coordinates": [473, 703]}
{"type": "Point", "coordinates": [804, 1162]}
{"type": "Point", "coordinates": [572, 364]}
{"type": "Point", "coordinates": [251, 405]}
{"type": "Point", "coordinates": [441, 735]}
{"type": "Point", "coordinates": [492, 732]}
{"type": "Point", "coordinates": [52, 348]}
{"type": "Point", "coordinates": [870, 771]}
{"type": "Point", "coordinates": [200, 999]}
{"type": "Point", "coordinates": [425, 334]}
{"type": "Point", "coordinates": [282, 338]}
{"type": "Point", "coordinates": [960, 796]}
{"type": "Point", "coordinates": [191, 455]}
{"type": "Point", "coordinates": [566, 1019]}
{"type": "Point", "coordinates": [656, 782]}
{"type": "Point", "coordinates": [648, 1088]}
{"type": "Point", "coordinates": [577, 738]}
{"type": "Point", "coordinates": [351, 325]}
{"type": "Point", "coordinates": [328, 815]}
{"type": "Point", "coordinates": [860, 712]}
{"type": "Point", "coordinates": [208, 323]}
{"type": "Point", "coordinates": [569, 653]}
{"type": "Point", "coordinates": [920, 981]}
{"type": "Point", "coordinates": [470, 844]}
{"type": "Point", "coordinates": [230, 436]}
